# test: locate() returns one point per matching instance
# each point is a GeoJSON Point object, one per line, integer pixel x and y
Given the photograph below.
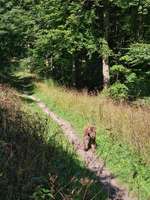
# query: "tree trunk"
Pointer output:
{"type": "Point", "coordinates": [73, 73]}
{"type": "Point", "coordinates": [140, 32]}
{"type": "Point", "coordinates": [105, 58]}
{"type": "Point", "coordinates": [140, 22]}
{"type": "Point", "coordinates": [106, 76]}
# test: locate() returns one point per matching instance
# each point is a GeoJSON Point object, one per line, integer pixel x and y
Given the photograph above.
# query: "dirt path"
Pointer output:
{"type": "Point", "coordinates": [93, 163]}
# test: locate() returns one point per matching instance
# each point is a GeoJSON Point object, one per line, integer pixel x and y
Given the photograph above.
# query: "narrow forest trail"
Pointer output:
{"type": "Point", "coordinates": [108, 182]}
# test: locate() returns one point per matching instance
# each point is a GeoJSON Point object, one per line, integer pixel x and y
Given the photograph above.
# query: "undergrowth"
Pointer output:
{"type": "Point", "coordinates": [37, 162]}
{"type": "Point", "coordinates": [122, 132]}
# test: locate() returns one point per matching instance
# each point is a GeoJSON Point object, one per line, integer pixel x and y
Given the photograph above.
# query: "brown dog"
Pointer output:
{"type": "Point", "coordinates": [89, 138]}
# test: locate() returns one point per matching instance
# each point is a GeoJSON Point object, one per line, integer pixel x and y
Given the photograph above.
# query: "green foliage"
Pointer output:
{"type": "Point", "coordinates": [67, 40]}
{"type": "Point", "coordinates": [16, 29]}
{"type": "Point", "coordinates": [119, 73]}
{"type": "Point", "coordinates": [129, 78]}
{"type": "Point", "coordinates": [25, 63]}
{"type": "Point", "coordinates": [137, 59]}
{"type": "Point", "coordinates": [118, 91]}
{"type": "Point", "coordinates": [103, 48]}
{"type": "Point", "coordinates": [115, 69]}
{"type": "Point", "coordinates": [138, 55]}
{"type": "Point", "coordinates": [42, 194]}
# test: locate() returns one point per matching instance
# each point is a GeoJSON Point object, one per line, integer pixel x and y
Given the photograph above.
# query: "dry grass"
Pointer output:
{"type": "Point", "coordinates": [131, 124]}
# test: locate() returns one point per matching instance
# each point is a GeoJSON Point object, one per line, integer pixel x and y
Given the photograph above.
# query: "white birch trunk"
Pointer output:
{"type": "Point", "coordinates": [106, 76]}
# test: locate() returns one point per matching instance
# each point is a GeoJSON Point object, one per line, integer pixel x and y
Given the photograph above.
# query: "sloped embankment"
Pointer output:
{"type": "Point", "coordinates": [36, 162]}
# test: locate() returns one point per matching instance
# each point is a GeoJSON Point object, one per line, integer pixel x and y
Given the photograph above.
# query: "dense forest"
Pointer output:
{"type": "Point", "coordinates": [93, 44]}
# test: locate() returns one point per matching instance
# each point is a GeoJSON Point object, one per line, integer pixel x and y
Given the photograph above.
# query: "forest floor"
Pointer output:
{"type": "Point", "coordinates": [108, 181]}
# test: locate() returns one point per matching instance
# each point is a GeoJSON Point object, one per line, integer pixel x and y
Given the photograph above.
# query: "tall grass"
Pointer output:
{"type": "Point", "coordinates": [131, 124]}
{"type": "Point", "coordinates": [123, 135]}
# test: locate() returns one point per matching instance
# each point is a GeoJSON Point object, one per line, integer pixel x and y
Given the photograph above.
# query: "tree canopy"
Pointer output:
{"type": "Point", "coordinates": [78, 43]}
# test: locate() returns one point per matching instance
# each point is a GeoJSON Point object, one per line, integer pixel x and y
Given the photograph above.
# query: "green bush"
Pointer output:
{"type": "Point", "coordinates": [118, 91]}
{"type": "Point", "coordinates": [42, 194]}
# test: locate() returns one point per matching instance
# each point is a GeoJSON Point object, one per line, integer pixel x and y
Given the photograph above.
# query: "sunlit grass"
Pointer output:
{"type": "Point", "coordinates": [132, 124]}
{"type": "Point", "coordinates": [123, 131]}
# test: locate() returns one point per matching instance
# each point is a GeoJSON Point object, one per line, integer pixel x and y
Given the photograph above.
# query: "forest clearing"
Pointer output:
{"type": "Point", "coordinates": [75, 100]}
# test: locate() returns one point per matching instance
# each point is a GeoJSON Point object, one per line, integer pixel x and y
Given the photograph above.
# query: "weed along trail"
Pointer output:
{"type": "Point", "coordinates": [92, 162]}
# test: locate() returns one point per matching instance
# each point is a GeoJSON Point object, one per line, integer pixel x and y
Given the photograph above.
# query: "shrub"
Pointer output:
{"type": "Point", "coordinates": [119, 72]}
{"type": "Point", "coordinates": [118, 91]}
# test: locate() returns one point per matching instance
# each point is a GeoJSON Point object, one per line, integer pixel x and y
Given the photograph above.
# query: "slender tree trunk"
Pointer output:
{"type": "Point", "coordinates": [46, 61]}
{"type": "Point", "coordinates": [106, 76]}
{"type": "Point", "coordinates": [105, 58]}
{"type": "Point", "coordinates": [140, 32]}
{"type": "Point", "coordinates": [73, 73]}
{"type": "Point", "coordinates": [140, 22]}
